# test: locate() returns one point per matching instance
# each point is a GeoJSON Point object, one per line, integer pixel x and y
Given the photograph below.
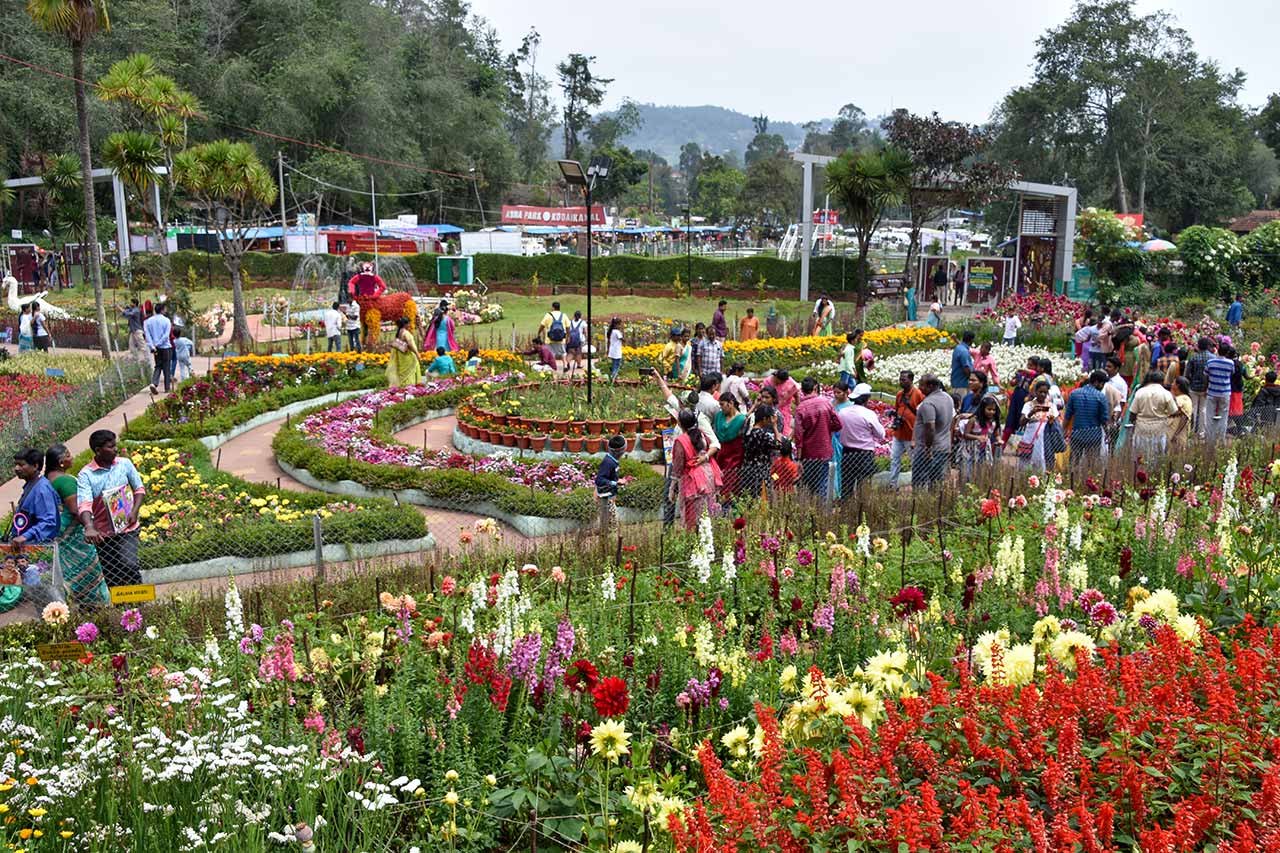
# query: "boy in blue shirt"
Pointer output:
{"type": "Point", "coordinates": [184, 348]}
{"type": "Point", "coordinates": [443, 364]}
{"type": "Point", "coordinates": [607, 482]}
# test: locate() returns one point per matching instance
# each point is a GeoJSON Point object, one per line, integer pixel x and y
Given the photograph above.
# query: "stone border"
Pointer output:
{"type": "Point", "coordinates": [528, 525]}
{"type": "Point", "coordinates": [333, 553]}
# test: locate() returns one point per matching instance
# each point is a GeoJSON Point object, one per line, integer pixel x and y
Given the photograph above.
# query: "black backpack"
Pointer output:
{"type": "Point", "coordinates": [556, 332]}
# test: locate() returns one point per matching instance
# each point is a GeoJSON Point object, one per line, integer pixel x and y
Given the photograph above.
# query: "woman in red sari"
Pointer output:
{"type": "Point", "coordinates": [693, 470]}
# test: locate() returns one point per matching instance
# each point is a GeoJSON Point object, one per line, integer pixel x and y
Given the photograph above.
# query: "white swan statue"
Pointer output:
{"type": "Point", "coordinates": [16, 302]}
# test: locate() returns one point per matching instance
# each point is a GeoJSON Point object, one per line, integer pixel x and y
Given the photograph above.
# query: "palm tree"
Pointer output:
{"type": "Point", "coordinates": [79, 21]}
{"type": "Point", "coordinates": [235, 189]}
{"type": "Point", "coordinates": [866, 183]}
{"type": "Point", "coordinates": [156, 112]}
{"type": "Point", "coordinates": [63, 184]}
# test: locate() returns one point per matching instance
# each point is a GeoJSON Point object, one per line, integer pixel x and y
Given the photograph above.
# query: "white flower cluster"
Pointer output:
{"type": "Point", "coordinates": [704, 552]}
{"type": "Point", "coordinates": [728, 568]}
{"type": "Point", "coordinates": [511, 606]}
{"type": "Point", "coordinates": [235, 610]}
{"type": "Point", "coordinates": [479, 601]}
{"type": "Point", "coordinates": [1009, 360]}
{"type": "Point", "coordinates": [1011, 562]}
{"type": "Point", "coordinates": [608, 586]}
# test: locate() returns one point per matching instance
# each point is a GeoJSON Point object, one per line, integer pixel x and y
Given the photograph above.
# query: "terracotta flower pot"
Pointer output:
{"type": "Point", "coordinates": [647, 424]}
{"type": "Point", "coordinates": [630, 427]}
{"type": "Point", "coordinates": [595, 427]}
{"type": "Point", "coordinates": [573, 443]}
{"type": "Point", "coordinates": [648, 442]}
{"type": "Point", "coordinates": [508, 439]}
{"type": "Point", "coordinates": [499, 419]}
{"type": "Point", "coordinates": [561, 426]}
{"type": "Point", "coordinates": [538, 442]}
{"type": "Point", "coordinates": [594, 443]}
{"type": "Point", "coordinates": [542, 424]}
{"type": "Point", "coordinates": [613, 427]}
{"type": "Point", "coordinates": [522, 441]}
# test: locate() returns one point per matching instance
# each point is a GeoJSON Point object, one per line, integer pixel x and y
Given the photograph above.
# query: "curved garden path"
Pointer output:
{"type": "Point", "coordinates": [249, 457]}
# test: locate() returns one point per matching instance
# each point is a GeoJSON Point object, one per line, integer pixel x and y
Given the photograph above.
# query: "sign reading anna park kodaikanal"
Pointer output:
{"type": "Point", "coordinates": [523, 214]}
{"type": "Point", "coordinates": [987, 275]}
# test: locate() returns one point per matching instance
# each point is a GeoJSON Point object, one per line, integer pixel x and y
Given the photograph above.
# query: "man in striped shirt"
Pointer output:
{"type": "Point", "coordinates": [1219, 369]}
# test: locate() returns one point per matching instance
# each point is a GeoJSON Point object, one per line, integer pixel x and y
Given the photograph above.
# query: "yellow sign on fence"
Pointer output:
{"type": "Point", "coordinates": [133, 594]}
{"type": "Point", "coordinates": [60, 651]}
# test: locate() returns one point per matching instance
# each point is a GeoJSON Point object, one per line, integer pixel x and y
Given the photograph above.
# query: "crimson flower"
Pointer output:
{"type": "Point", "coordinates": [909, 600]}
{"type": "Point", "coordinates": [739, 523]}
{"type": "Point", "coordinates": [581, 676]}
{"type": "Point", "coordinates": [1126, 560]}
{"type": "Point", "coordinates": [990, 508]}
{"type": "Point", "coordinates": [611, 697]}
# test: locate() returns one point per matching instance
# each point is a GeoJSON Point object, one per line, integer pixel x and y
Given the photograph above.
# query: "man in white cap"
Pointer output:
{"type": "Point", "coordinates": [860, 434]}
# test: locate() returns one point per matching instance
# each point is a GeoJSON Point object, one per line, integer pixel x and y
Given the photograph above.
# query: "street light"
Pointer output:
{"type": "Point", "coordinates": [574, 175]}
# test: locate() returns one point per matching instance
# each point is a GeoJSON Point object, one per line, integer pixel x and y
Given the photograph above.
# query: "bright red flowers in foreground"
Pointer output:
{"type": "Point", "coordinates": [611, 697]}
{"type": "Point", "coordinates": [1171, 749]}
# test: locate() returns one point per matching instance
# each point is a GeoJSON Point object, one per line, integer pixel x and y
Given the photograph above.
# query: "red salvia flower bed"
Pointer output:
{"type": "Point", "coordinates": [1174, 748]}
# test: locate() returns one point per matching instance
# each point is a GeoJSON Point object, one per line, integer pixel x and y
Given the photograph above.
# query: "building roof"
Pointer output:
{"type": "Point", "coordinates": [1251, 220]}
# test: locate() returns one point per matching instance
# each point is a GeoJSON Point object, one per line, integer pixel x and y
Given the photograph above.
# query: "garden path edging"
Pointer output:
{"type": "Point", "coordinates": [528, 525]}
{"type": "Point", "coordinates": [467, 444]}
{"type": "Point", "coordinates": [333, 553]}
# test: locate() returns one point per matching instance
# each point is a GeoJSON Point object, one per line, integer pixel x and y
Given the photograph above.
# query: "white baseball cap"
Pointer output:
{"type": "Point", "coordinates": [862, 389]}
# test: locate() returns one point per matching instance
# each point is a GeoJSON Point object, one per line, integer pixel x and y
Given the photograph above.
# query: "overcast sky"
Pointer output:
{"type": "Point", "coordinates": [800, 61]}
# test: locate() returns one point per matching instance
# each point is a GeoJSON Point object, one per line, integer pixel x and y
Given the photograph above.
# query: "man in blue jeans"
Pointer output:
{"type": "Point", "coordinates": [157, 329]}
{"type": "Point", "coordinates": [931, 438]}
{"type": "Point", "coordinates": [1085, 418]}
{"type": "Point", "coordinates": [961, 366]}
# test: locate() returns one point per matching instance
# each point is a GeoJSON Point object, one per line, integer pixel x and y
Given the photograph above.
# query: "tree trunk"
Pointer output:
{"type": "Point", "coordinates": [240, 319]}
{"type": "Point", "coordinates": [1121, 196]}
{"type": "Point", "coordinates": [90, 212]}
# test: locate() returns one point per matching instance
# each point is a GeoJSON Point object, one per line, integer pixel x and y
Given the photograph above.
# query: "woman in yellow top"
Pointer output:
{"type": "Point", "coordinates": [1180, 423]}
{"type": "Point", "coordinates": [403, 365]}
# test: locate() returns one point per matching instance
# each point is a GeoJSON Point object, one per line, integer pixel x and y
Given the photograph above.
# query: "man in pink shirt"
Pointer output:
{"type": "Point", "coordinates": [860, 434]}
{"type": "Point", "coordinates": [814, 423]}
{"type": "Point", "coordinates": [986, 363]}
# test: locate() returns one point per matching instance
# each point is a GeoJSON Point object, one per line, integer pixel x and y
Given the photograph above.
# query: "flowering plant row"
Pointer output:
{"type": "Point", "coordinates": [19, 389]}
{"type": "Point", "coordinates": [768, 353]}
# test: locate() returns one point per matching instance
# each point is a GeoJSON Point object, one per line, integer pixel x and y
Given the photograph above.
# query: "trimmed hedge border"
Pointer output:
{"type": "Point", "coordinates": [332, 552]}
{"type": "Point", "coordinates": [824, 272]}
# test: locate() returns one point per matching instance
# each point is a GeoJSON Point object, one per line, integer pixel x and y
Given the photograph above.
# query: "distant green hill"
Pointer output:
{"type": "Point", "coordinates": [716, 129]}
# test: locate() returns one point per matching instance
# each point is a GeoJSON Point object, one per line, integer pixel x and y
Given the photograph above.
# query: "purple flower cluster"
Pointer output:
{"type": "Point", "coordinates": [524, 658]}
{"type": "Point", "coordinates": [558, 656]}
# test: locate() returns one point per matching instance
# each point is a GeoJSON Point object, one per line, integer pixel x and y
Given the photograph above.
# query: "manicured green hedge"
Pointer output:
{"type": "Point", "coordinates": [147, 428]}
{"type": "Point", "coordinates": [375, 521]}
{"type": "Point", "coordinates": [458, 487]}
{"type": "Point", "coordinates": [826, 273]}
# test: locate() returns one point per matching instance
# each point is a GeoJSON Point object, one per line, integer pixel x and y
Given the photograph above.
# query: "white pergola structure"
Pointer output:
{"type": "Point", "coordinates": [118, 195]}
{"type": "Point", "coordinates": [1046, 212]}
{"type": "Point", "coordinates": [807, 162]}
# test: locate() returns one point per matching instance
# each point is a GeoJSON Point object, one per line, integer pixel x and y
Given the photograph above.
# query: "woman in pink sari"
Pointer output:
{"type": "Point", "coordinates": [440, 330]}
{"type": "Point", "coordinates": [786, 390]}
{"type": "Point", "coordinates": [693, 470]}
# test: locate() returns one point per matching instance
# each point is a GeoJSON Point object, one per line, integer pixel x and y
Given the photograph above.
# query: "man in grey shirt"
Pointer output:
{"type": "Point", "coordinates": [137, 341]}
{"type": "Point", "coordinates": [931, 438]}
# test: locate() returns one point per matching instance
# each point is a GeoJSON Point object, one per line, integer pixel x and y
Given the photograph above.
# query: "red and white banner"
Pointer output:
{"type": "Point", "coordinates": [826, 217]}
{"type": "Point", "coordinates": [1134, 219]}
{"type": "Point", "coordinates": [523, 214]}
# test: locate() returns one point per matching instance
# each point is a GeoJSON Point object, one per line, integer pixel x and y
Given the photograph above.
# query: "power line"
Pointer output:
{"type": "Point", "coordinates": [324, 183]}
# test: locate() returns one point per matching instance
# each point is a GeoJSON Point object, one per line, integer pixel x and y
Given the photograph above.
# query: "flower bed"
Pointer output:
{"type": "Point", "coordinates": [353, 441]}
{"type": "Point", "coordinates": [546, 415]}
{"type": "Point", "coordinates": [239, 389]}
{"type": "Point", "coordinates": [194, 513]}
{"type": "Point", "coordinates": [473, 307]}
{"type": "Point", "coordinates": [1044, 309]}
{"type": "Point", "coordinates": [1009, 360]}
{"type": "Point", "coordinates": [1044, 670]}
{"type": "Point", "coordinates": [769, 353]}
{"type": "Point", "coordinates": [23, 389]}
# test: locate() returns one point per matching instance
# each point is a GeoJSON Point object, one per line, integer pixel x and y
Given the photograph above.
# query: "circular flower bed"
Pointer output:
{"type": "Point", "coordinates": [555, 416]}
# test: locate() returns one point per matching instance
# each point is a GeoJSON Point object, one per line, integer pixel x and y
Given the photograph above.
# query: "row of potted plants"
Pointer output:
{"type": "Point", "coordinates": [556, 440]}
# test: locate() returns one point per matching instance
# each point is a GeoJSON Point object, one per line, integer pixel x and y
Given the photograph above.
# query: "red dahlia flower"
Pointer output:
{"type": "Point", "coordinates": [909, 600]}
{"type": "Point", "coordinates": [581, 676]}
{"type": "Point", "coordinates": [611, 697]}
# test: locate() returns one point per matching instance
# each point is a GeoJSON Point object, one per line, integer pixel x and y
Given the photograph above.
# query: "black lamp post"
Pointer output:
{"type": "Point", "coordinates": [575, 176]}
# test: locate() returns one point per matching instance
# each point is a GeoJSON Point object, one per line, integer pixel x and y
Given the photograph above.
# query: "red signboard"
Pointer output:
{"type": "Point", "coordinates": [1134, 219]}
{"type": "Point", "coordinates": [523, 214]}
{"type": "Point", "coordinates": [353, 242]}
{"type": "Point", "coordinates": [826, 217]}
